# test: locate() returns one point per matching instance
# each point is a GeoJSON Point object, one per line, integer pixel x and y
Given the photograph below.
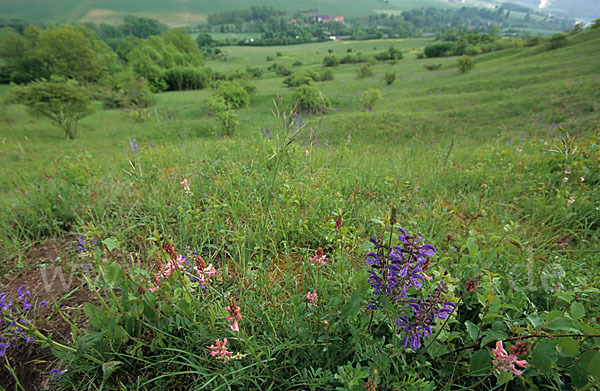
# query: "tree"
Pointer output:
{"type": "Point", "coordinates": [63, 102]}
{"type": "Point", "coordinates": [73, 52]}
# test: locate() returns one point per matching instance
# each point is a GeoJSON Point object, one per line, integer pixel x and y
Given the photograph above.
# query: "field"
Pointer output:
{"type": "Point", "coordinates": [498, 168]}
{"type": "Point", "coordinates": [74, 11]}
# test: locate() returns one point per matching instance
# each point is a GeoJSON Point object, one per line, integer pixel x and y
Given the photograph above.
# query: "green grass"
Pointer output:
{"type": "Point", "coordinates": [464, 157]}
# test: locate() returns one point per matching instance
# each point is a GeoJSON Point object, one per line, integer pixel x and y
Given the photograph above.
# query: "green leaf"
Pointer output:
{"type": "Point", "coordinates": [111, 243]}
{"type": "Point", "coordinates": [590, 360]}
{"type": "Point", "coordinates": [114, 273]}
{"type": "Point", "coordinates": [568, 347]}
{"type": "Point", "coordinates": [503, 377]}
{"type": "Point", "coordinates": [577, 310]}
{"type": "Point", "coordinates": [366, 246]}
{"type": "Point", "coordinates": [481, 362]}
{"type": "Point", "coordinates": [579, 376]}
{"type": "Point", "coordinates": [535, 320]}
{"type": "Point", "coordinates": [544, 355]}
{"type": "Point", "coordinates": [491, 335]}
{"type": "Point", "coordinates": [472, 329]}
{"type": "Point", "coordinates": [351, 307]}
{"type": "Point", "coordinates": [561, 324]}
{"type": "Point", "coordinates": [109, 367]}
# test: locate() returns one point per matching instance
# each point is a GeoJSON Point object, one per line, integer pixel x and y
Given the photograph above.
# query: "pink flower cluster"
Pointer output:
{"type": "Point", "coordinates": [312, 298]}
{"type": "Point", "coordinates": [219, 350]}
{"type": "Point", "coordinates": [186, 186]}
{"type": "Point", "coordinates": [319, 257]}
{"type": "Point", "coordinates": [200, 271]}
{"type": "Point", "coordinates": [505, 362]}
{"type": "Point", "coordinates": [235, 315]}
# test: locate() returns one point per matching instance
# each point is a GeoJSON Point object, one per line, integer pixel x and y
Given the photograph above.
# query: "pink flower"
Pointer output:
{"type": "Point", "coordinates": [582, 179]}
{"type": "Point", "coordinates": [235, 315]}
{"type": "Point", "coordinates": [307, 152]}
{"type": "Point", "coordinates": [566, 179]}
{"type": "Point", "coordinates": [567, 172]}
{"type": "Point", "coordinates": [319, 257]}
{"type": "Point", "coordinates": [505, 362]}
{"type": "Point", "coordinates": [312, 297]}
{"type": "Point", "coordinates": [219, 350]}
{"type": "Point", "coordinates": [184, 182]}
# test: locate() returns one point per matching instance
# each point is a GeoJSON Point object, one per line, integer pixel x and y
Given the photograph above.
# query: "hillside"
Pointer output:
{"type": "Point", "coordinates": [177, 12]}
{"type": "Point", "coordinates": [191, 247]}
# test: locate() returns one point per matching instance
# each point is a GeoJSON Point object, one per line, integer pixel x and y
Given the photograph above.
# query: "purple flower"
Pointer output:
{"type": "Point", "coordinates": [22, 294]}
{"type": "Point", "coordinates": [43, 303]}
{"type": "Point", "coordinates": [57, 372]}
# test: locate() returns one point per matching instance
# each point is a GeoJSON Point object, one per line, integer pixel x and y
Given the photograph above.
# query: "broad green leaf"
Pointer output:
{"type": "Point", "coordinates": [568, 347]}
{"type": "Point", "coordinates": [561, 324]}
{"type": "Point", "coordinates": [481, 362]}
{"type": "Point", "coordinates": [535, 320]}
{"type": "Point", "coordinates": [579, 376]}
{"type": "Point", "coordinates": [590, 360]}
{"type": "Point", "coordinates": [503, 377]}
{"type": "Point", "coordinates": [114, 274]}
{"type": "Point", "coordinates": [472, 329]}
{"type": "Point", "coordinates": [577, 310]}
{"type": "Point", "coordinates": [544, 355]}
{"type": "Point", "coordinates": [111, 243]}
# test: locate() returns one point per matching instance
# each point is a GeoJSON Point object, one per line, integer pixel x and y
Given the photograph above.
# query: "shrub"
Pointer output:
{"type": "Point", "coordinates": [297, 63]}
{"type": "Point", "coordinates": [279, 54]}
{"type": "Point", "coordinates": [440, 49]}
{"type": "Point", "coordinates": [391, 54]}
{"type": "Point", "coordinates": [281, 69]}
{"type": "Point", "coordinates": [465, 63]}
{"type": "Point", "coordinates": [310, 99]}
{"type": "Point", "coordinates": [558, 41]}
{"type": "Point", "coordinates": [331, 61]}
{"type": "Point", "coordinates": [270, 58]}
{"type": "Point", "coordinates": [369, 98]}
{"type": "Point", "coordinates": [181, 79]}
{"type": "Point", "coordinates": [254, 71]}
{"type": "Point", "coordinates": [63, 102]}
{"type": "Point", "coordinates": [126, 90]}
{"type": "Point", "coordinates": [390, 77]}
{"type": "Point", "coordinates": [226, 116]}
{"type": "Point", "coordinates": [297, 79]}
{"type": "Point", "coordinates": [235, 93]}
{"type": "Point", "coordinates": [354, 59]}
{"type": "Point", "coordinates": [326, 75]}
{"type": "Point", "coordinates": [365, 70]}
{"type": "Point", "coordinates": [433, 67]}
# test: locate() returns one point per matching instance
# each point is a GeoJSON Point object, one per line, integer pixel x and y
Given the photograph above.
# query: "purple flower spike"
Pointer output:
{"type": "Point", "coordinates": [56, 373]}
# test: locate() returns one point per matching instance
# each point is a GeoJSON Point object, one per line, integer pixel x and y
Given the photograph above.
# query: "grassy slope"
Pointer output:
{"type": "Point", "coordinates": [72, 11]}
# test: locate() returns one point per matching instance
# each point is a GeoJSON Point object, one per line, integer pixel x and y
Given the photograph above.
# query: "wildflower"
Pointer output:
{"type": "Point", "coordinates": [3, 347]}
{"type": "Point", "coordinates": [307, 152]}
{"type": "Point", "coordinates": [319, 257]}
{"type": "Point", "coordinates": [570, 201]}
{"type": "Point", "coordinates": [235, 315]}
{"type": "Point", "coordinates": [582, 179]}
{"type": "Point", "coordinates": [312, 297]}
{"type": "Point", "coordinates": [566, 179]}
{"type": "Point", "coordinates": [504, 362]}
{"type": "Point", "coordinates": [186, 187]}
{"type": "Point", "coordinates": [520, 348]}
{"type": "Point", "coordinates": [471, 285]}
{"type": "Point", "coordinates": [219, 350]}
{"type": "Point", "coordinates": [56, 373]}
{"type": "Point", "coordinates": [424, 314]}
{"type": "Point", "coordinates": [43, 303]}
{"type": "Point", "coordinates": [338, 223]}
{"type": "Point", "coordinates": [562, 241]}
{"type": "Point", "coordinates": [519, 150]}
{"type": "Point", "coordinates": [22, 294]}
{"type": "Point", "coordinates": [567, 172]}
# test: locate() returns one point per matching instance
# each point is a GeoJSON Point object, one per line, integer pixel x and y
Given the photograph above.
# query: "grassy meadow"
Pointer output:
{"type": "Point", "coordinates": [498, 168]}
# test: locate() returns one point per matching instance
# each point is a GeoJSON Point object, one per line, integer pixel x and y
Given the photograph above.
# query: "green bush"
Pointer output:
{"type": "Point", "coordinates": [440, 49]}
{"type": "Point", "coordinates": [391, 54]}
{"type": "Point", "coordinates": [465, 63]}
{"type": "Point", "coordinates": [181, 79]}
{"type": "Point", "coordinates": [432, 67]}
{"type": "Point", "coordinates": [331, 61]}
{"type": "Point", "coordinates": [310, 99]}
{"type": "Point", "coordinates": [326, 75]}
{"type": "Point", "coordinates": [297, 79]}
{"type": "Point", "coordinates": [297, 63]}
{"type": "Point", "coordinates": [390, 77]}
{"type": "Point", "coordinates": [236, 93]}
{"type": "Point", "coordinates": [369, 98]}
{"type": "Point", "coordinates": [63, 102]}
{"type": "Point", "coordinates": [365, 70]}
{"type": "Point", "coordinates": [126, 90]}
{"type": "Point", "coordinates": [558, 41]}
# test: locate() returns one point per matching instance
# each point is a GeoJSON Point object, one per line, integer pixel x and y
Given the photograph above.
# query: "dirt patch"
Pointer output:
{"type": "Point", "coordinates": [176, 19]}
{"type": "Point", "coordinates": [61, 286]}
